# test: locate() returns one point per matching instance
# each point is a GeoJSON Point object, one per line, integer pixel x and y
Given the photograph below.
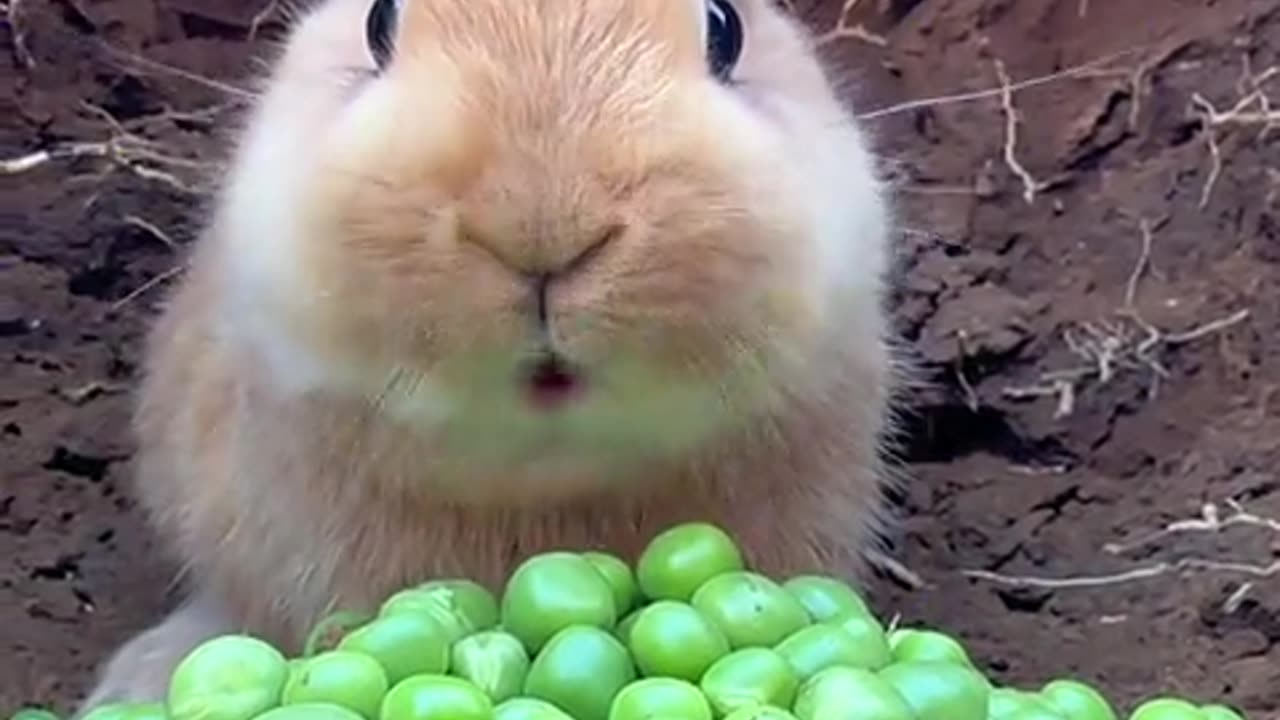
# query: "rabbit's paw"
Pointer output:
{"type": "Point", "coordinates": [139, 671]}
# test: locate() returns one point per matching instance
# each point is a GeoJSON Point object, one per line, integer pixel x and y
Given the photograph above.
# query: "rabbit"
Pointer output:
{"type": "Point", "coordinates": [489, 278]}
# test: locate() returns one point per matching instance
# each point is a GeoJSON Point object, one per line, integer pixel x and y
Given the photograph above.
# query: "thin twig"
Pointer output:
{"type": "Point", "coordinates": [21, 52]}
{"type": "Point", "coordinates": [1252, 109]}
{"type": "Point", "coordinates": [1081, 70]}
{"type": "Point", "coordinates": [1208, 328]}
{"type": "Point", "coordinates": [1236, 599]}
{"type": "Point", "coordinates": [125, 150]}
{"type": "Point", "coordinates": [891, 567]}
{"type": "Point", "coordinates": [1143, 573]}
{"type": "Point", "coordinates": [163, 68]}
{"type": "Point", "coordinates": [152, 229]}
{"type": "Point", "coordinates": [1030, 186]}
{"type": "Point", "coordinates": [971, 398]}
{"type": "Point", "coordinates": [260, 17]}
{"type": "Point", "coordinates": [843, 30]}
{"type": "Point", "coordinates": [1144, 259]}
{"type": "Point", "coordinates": [153, 282]}
{"type": "Point", "coordinates": [1210, 521]}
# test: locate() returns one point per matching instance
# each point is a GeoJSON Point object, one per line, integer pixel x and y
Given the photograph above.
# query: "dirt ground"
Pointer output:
{"type": "Point", "coordinates": [1094, 298]}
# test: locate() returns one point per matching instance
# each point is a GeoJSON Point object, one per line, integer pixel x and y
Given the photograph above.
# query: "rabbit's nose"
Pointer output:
{"type": "Point", "coordinates": [540, 280]}
{"type": "Point", "coordinates": [540, 262]}
{"type": "Point", "coordinates": [545, 256]}
{"type": "Point", "coordinates": [573, 257]}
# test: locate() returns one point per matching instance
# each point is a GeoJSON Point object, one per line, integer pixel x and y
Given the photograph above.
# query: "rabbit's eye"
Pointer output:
{"type": "Point", "coordinates": [724, 37]}
{"type": "Point", "coordinates": [380, 29]}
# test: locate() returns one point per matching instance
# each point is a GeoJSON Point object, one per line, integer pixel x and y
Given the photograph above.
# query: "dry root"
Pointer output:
{"type": "Point", "coordinates": [123, 150]}
{"type": "Point", "coordinates": [1253, 109]}
{"type": "Point", "coordinates": [12, 14]}
{"type": "Point", "coordinates": [1128, 342]}
{"type": "Point", "coordinates": [1030, 186]}
{"type": "Point", "coordinates": [844, 30]}
{"type": "Point", "coordinates": [1210, 521]}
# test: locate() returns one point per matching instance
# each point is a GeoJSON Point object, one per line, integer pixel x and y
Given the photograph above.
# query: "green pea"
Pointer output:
{"type": "Point", "coordinates": [665, 698]}
{"type": "Point", "coordinates": [677, 561]}
{"type": "Point", "coordinates": [580, 670]}
{"type": "Point", "coordinates": [750, 609]}
{"type": "Point", "coordinates": [296, 665]}
{"type": "Point", "coordinates": [825, 598]}
{"type": "Point", "coordinates": [818, 647]}
{"type": "Point", "coordinates": [626, 594]}
{"type": "Point", "coordinates": [404, 644]}
{"type": "Point", "coordinates": [846, 693]}
{"type": "Point", "coordinates": [552, 591]}
{"type": "Point", "coordinates": [761, 712]}
{"type": "Point", "coordinates": [473, 601]}
{"type": "Point", "coordinates": [461, 607]}
{"type": "Point", "coordinates": [329, 632]}
{"type": "Point", "coordinates": [1004, 701]}
{"type": "Point", "coordinates": [622, 630]}
{"type": "Point", "coordinates": [673, 639]}
{"type": "Point", "coordinates": [436, 697]}
{"type": "Point", "coordinates": [339, 677]}
{"type": "Point", "coordinates": [1166, 708]}
{"type": "Point", "coordinates": [911, 644]}
{"type": "Point", "coordinates": [113, 711]}
{"type": "Point", "coordinates": [869, 635]}
{"type": "Point", "coordinates": [494, 660]}
{"type": "Point", "coordinates": [940, 690]}
{"type": "Point", "coordinates": [310, 711]}
{"type": "Point", "coordinates": [230, 677]}
{"type": "Point", "coordinates": [1035, 711]}
{"type": "Point", "coordinates": [417, 602]}
{"type": "Point", "coordinates": [749, 677]}
{"type": "Point", "coordinates": [527, 708]}
{"type": "Point", "coordinates": [1218, 711]}
{"type": "Point", "coordinates": [1075, 700]}
{"type": "Point", "coordinates": [35, 713]}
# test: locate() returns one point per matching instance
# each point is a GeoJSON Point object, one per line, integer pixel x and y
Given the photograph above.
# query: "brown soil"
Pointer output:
{"type": "Point", "coordinates": [995, 293]}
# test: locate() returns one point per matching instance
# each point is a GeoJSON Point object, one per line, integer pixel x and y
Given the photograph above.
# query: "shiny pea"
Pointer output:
{"type": "Point", "coordinates": [660, 697]}
{"type": "Point", "coordinates": [1075, 700]}
{"type": "Point", "coordinates": [435, 697]}
{"type": "Point", "coordinates": [679, 560]}
{"type": "Point", "coordinates": [818, 647]}
{"type": "Point", "coordinates": [552, 591]}
{"type": "Point", "coordinates": [310, 711]}
{"type": "Point", "coordinates": [405, 644]}
{"type": "Point", "coordinates": [750, 677]}
{"type": "Point", "coordinates": [750, 609]}
{"type": "Point", "coordinates": [339, 677]}
{"type": "Point", "coordinates": [528, 708]}
{"type": "Point", "coordinates": [845, 693]}
{"type": "Point", "coordinates": [230, 677]}
{"type": "Point", "coordinates": [940, 690]}
{"type": "Point", "coordinates": [580, 670]}
{"type": "Point", "coordinates": [494, 660]}
{"type": "Point", "coordinates": [825, 598]}
{"type": "Point", "coordinates": [912, 644]}
{"type": "Point", "coordinates": [1167, 708]}
{"type": "Point", "coordinates": [672, 639]}
{"type": "Point", "coordinates": [626, 594]}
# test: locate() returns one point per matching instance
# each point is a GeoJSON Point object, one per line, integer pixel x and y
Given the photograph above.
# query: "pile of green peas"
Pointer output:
{"type": "Point", "coordinates": [689, 633]}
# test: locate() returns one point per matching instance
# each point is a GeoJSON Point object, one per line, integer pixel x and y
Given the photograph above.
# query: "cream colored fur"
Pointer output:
{"type": "Point", "coordinates": [331, 407]}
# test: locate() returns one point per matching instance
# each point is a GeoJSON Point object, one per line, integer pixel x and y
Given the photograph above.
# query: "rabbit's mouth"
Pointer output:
{"type": "Point", "coordinates": [550, 383]}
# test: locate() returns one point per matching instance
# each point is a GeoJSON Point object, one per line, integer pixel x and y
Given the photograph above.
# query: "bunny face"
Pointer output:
{"type": "Point", "coordinates": [568, 234]}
